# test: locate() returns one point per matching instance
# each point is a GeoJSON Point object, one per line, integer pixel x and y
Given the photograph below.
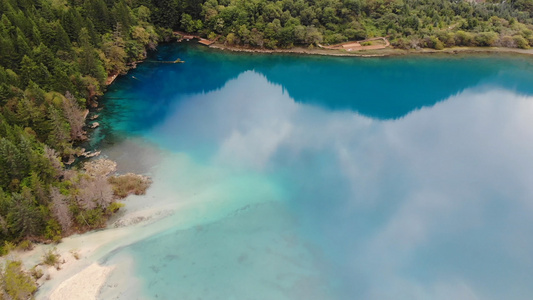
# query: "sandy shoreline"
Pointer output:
{"type": "Point", "coordinates": [377, 53]}
{"type": "Point", "coordinates": [85, 285]}
{"type": "Point", "coordinates": [80, 274]}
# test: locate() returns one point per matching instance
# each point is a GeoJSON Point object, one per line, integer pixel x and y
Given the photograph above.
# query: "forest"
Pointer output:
{"type": "Point", "coordinates": [409, 24]}
{"type": "Point", "coordinates": [56, 56]}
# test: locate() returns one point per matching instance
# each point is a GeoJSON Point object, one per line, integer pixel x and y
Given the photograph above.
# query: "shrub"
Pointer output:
{"type": "Point", "coordinates": [25, 245]}
{"type": "Point", "coordinates": [93, 218]}
{"type": "Point", "coordinates": [36, 272]}
{"type": "Point", "coordinates": [114, 207]}
{"type": "Point", "coordinates": [8, 246]}
{"type": "Point", "coordinates": [401, 43]}
{"type": "Point", "coordinates": [212, 36]}
{"type": "Point", "coordinates": [507, 41]}
{"type": "Point", "coordinates": [15, 283]}
{"type": "Point", "coordinates": [486, 39]}
{"type": "Point", "coordinates": [127, 184]}
{"type": "Point", "coordinates": [438, 45]}
{"type": "Point", "coordinates": [464, 38]}
{"type": "Point", "coordinates": [270, 43]}
{"type": "Point", "coordinates": [448, 38]}
{"type": "Point", "coordinates": [231, 39]}
{"type": "Point", "coordinates": [51, 257]}
{"type": "Point", "coordinates": [521, 42]}
{"type": "Point", "coordinates": [434, 42]}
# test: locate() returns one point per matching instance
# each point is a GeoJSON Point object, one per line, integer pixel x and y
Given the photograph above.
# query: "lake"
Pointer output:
{"type": "Point", "coordinates": [311, 177]}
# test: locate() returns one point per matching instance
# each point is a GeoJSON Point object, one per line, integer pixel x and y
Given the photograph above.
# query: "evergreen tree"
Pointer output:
{"type": "Point", "coordinates": [89, 62]}
{"type": "Point", "coordinates": [28, 70]}
{"type": "Point", "coordinates": [59, 130]}
{"type": "Point", "coordinates": [72, 22]}
{"type": "Point", "coordinates": [24, 217]}
{"type": "Point", "coordinates": [13, 164]}
{"type": "Point", "coordinates": [98, 12]}
{"type": "Point", "coordinates": [21, 44]}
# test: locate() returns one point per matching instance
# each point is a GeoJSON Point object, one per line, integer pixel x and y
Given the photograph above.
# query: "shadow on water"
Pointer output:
{"type": "Point", "coordinates": [411, 82]}
{"type": "Point", "coordinates": [380, 88]}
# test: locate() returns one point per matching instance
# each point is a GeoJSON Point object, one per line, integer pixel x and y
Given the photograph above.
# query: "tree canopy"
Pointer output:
{"type": "Point", "coordinates": [56, 57]}
{"type": "Point", "coordinates": [407, 23]}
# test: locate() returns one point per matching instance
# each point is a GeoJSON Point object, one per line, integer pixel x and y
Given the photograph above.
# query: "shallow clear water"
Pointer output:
{"type": "Point", "coordinates": [303, 177]}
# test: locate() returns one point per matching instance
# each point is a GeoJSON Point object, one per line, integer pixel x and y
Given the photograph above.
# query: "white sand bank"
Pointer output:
{"type": "Point", "coordinates": [83, 276]}
{"type": "Point", "coordinates": [83, 286]}
{"type": "Point", "coordinates": [183, 195]}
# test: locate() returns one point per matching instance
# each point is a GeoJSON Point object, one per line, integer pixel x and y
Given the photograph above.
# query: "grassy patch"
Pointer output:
{"type": "Point", "coordinates": [36, 272]}
{"type": "Point", "coordinates": [127, 184]}
{"type": "Point", "coordinates": [51, 257]}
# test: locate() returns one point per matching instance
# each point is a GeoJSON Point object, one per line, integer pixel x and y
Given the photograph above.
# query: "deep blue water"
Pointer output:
{"type": "Point", "coordinates": [309, 177]}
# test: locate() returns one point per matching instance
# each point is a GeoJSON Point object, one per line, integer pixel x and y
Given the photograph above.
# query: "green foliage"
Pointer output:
{"type": "Point", "coordinates": [24, 217]}
{"type": "Point", "coordinates": [25, 245]}
{"type": "Point", "coordinates": [55, 55]}
{"type": "Point", "coordinates": [8, 247]}
{"type": "Point", "coordinates": [295, 22]}
{"type": "Point", "coordinates": [114, 207]}
{"type": "Point", "coordinates": [36, 272]}
{"type": "Point", "coordinates": [52, 230]}
{"type": "Point", "coordinates": [92, 218]}
{"type": "Point", "coordinates": [486, 39]}
{"type": "Point", "coordinates": [51, 257]}
{"type": "Point", "coordinates": [521, 42]}
{"type": "Point", "coordinates": [15, 283]}
{"type": "Point", "coordinates": [439, 45]}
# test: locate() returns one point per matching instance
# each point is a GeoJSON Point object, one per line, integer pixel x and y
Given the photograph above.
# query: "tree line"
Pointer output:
{"type": "Point", "coordinates": [407, 23]}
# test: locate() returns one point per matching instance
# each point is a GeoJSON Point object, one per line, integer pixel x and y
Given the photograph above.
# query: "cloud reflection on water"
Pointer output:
{"type": "Point", "coordinates": [434, 205]}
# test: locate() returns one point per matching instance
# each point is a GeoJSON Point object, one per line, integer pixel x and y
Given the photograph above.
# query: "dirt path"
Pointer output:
{"type": "Point", "coordinates": [357, 45]}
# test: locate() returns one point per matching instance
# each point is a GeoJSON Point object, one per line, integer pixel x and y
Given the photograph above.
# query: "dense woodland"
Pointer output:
{"type": "Point", "coordinates": [55, 57]}
{"type": "Point", "coordinates": [407, 23]}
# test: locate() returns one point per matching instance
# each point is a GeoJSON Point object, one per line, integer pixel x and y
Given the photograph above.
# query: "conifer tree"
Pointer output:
{"type": "Point", "coordinates": [59, 130]}
{"type": "Point", "coordinates": [13, 164]}
{"type": "Point", "coordinates": [89, 62]}
{"type": "Point", "coordinates": [24, 218]}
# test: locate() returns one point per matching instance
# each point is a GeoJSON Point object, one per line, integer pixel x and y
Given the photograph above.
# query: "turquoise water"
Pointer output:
{"type": "Point", "coordinates": [307, 177]}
